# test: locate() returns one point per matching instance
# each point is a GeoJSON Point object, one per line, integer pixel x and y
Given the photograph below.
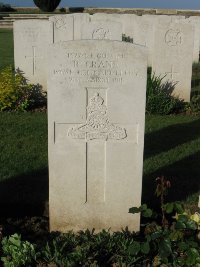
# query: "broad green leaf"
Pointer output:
{"type": "Point", "coordinates": [143, 207]}
{"type": "Point", "coordinates": [178, 207]}
{"type": "Point", "coordinates": [155, 235]}
{"type": "Point", "coordinates": [180, 225]}
{"type": "Point", "coordinates": [147, 213]}
{"type": "Point", "coordinates": [134, 210]}
{"type": "Point", "coordinates": [183, 246]}
{"type": "Point", "coordinates": [134, 248]}
{"type": "Point", "coordinates": [145, 248]}
{"type": "Point", "coordinates": [165, 248]}
{"type": "Point", "coordinates": [183, 218]}
{"type": "Point", "coordinates": [192, 225]}
{"type": "Point", "coordinates": [169, 207]}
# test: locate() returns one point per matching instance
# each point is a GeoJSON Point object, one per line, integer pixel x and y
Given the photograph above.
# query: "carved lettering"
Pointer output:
{"type": "Point", "coordinates": [31, 34]}
{"type": "Point", "coordinates": [95, 68]}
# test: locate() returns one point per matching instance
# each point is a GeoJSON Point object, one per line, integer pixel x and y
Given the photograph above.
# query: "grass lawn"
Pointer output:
{"type": "Point", "coordinates": [172, 148]}
{"type": "Point", "coordinates": [6, 48]}
{"type": "Point", "coordinates": [23, 162]}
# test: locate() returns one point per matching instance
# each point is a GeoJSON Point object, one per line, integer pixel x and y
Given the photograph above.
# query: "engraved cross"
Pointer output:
{"type": "Point", "coordinates": [97, 127]}
{"type": "Point", "coordinates": [172, 72]}
{"type": "Point", "coordinates": [34, 57]}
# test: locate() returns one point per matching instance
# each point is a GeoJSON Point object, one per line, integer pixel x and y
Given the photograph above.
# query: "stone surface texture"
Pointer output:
{"type": "Point", "coordinates": [102, 30]}
{"type": "Point", "coordinates": [173, 56]}
{"type": "Point", "coordinates": [68, 27]}
{"type": "Point", "coordinates": [195, 22]}
{"type": "Point", "coordinates": [31, 40]}
{"type": "Point", "coordinates": [96, 114]}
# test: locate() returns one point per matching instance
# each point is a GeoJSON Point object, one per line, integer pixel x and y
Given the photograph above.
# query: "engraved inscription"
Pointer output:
{"type": "Point", "coordinates": [99, 67]}
{"type": "Point", "coordinates": [97, 125]}
{"type": "Point", "coordinates": [31, 34]}
{"type": "Point", "coordinates": [173, 37]}
{"type": "Point", "coordinates": [100, 34]}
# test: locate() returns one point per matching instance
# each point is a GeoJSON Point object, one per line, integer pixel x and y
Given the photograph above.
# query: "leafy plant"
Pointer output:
{"type": "Point", "coordinates": [158, 96]}
{"type": "Point", "coordinates": [175, 242]}
{"type": "Point", "coordinates": [15, 92]}
{"type": "Point", "coordinates": [47, 5]}
{"type": "Point", "coordinates": [127, 39]}
{"type": "Point", "coordinates": [17, 253]}
{"type": "Point", "coordinates": [62, 10]}
{"type": "Point", "coordinates": [196, 69]}
{"type": "Point", "coordinates": [195, 103]}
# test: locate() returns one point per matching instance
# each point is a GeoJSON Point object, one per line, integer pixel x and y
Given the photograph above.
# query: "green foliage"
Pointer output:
{"type": "Point", "coordinates": [6, 48]}
{"type": "Point", "coordinates": [195, 103]}
{"type": "Point", "coordinates": [6, 8]}
{"type": "Point", "coordinates": [15, 92]}
{"type": "Point", "coordinates": [62, 10]}
{"type": "Point", "coordinates": [196, 69]}
{"type": "Point", "coordinates": [17, 253]}
{"type": "Point", "coordinates": [145, 212]}
{"type": "Point", "coordinates": [175, 242]}
{"type": "Point", "coordinates": [158, 97]}
{"type": "Point", "coordinates": [127, 39]}
{"type": "Point", "coordinates": [47, 5]}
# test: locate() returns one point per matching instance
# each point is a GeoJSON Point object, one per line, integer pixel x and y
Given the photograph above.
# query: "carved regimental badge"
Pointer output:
{"type": "Point", "coordinates": [173, 37]}
{"type": "Point", "coordinates": [100, 34]}
{"type": "Point", "coordinates": [97, 125]}
{"type": "Point", "coordinates": [60, 23]}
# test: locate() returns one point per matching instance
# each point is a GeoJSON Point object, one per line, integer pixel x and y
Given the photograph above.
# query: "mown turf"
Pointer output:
{"type": "Point", "coordinates": [23, 162]}
{"type": "Point", "coordinates": [6, 48]}
{"type": "Point", "coordinates": [172, 148]}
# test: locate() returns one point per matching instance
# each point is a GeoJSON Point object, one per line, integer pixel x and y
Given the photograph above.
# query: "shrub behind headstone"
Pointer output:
{"type": "Point", "coordinates": [5, 7]}
{"type": "Point", "coordinates": [47, 5]}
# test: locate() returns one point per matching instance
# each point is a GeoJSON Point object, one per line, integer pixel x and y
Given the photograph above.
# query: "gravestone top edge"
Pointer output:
{"type": "Point", "coordinates": [82, 41]}
{"type": "Point", "coordinates": [26, 21]}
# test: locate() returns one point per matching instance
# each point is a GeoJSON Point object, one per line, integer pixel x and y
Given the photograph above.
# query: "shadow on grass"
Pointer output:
{"type": "Point", "coordinates": [184, 176]}
{"type": "Point", "coordinates": [170, 137]}
{"type": "Point", "coordinates": [24, 195]}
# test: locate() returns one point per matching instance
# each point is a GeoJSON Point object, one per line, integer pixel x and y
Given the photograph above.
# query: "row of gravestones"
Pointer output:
{"type": "Point", "coordinates": [173, 42]}
{"type": "Point", "coordinates": [96, 110]}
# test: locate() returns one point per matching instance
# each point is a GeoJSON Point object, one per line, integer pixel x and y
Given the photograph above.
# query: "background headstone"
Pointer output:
{"type": "Point", "coordinates": [195, 22]}
{"type": "Point", "coordinates": [96, 113]}
{"type": "Point", "coordinates": [68, 27]}
{"type": "Point", "coordinates": [151, 22]}
{"type": "Point", "coordinates": [31, 40]}
{"type": "Point", "coordinates": [173, 56]}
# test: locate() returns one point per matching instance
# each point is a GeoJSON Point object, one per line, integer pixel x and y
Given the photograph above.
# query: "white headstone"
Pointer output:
{"type": "Point", "coordinates": [142, 32]}
{"type": "Point", "coordinates": [68, 27]}
{"type": "Point", "coordinates": [195, 21]}
{"type": "Point", "coordinates": [136, 27]}
{"type": "Point", "coordinates": [31, 40]}
{"type": "Point", "coordinates": [96, 113]}
{"type": "Point", "coordinates": [172, 56]}
{"type": "Point", "coordinates": [151, 22]}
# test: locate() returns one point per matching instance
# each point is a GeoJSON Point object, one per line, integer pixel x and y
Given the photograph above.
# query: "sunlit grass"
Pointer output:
{"type": "Point", "coordinates": [6, 48]}
{"type": "Point", "coordinates": [172, 148]}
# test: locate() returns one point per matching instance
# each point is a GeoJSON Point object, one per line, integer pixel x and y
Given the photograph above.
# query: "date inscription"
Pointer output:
{"type": "Point", "coordinates": [95, 68]}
